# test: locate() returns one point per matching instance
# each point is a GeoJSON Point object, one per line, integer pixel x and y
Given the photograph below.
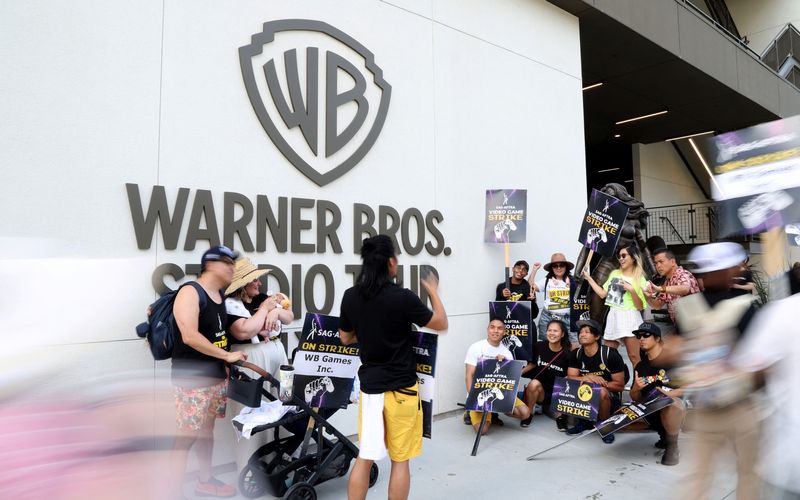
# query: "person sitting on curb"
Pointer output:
{"type": "Point", "coordinates": [550, 360]}
{"type": "Point", "coordinates": [489, 348]}
{"type": "Point", "coordinates": [597, 364]}
{"type": "Point", "coordinates": [649, 374]}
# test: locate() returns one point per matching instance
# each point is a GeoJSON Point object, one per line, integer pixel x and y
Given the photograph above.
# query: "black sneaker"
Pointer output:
{"type": "Point", "coordinates": [577, 428]}
{"type": "Point", "coordinates": [561, 423]}
{"type": "Point", "coordinates": [661, 443]}
{"type": "Point", "coordinates": [467, 420]}
{"type": "Point", "coordinates": [608, 439]}
{"type": "Point", "coordinates": [496, 420]}
{"type": "Point", "coordinates": [526, 422]}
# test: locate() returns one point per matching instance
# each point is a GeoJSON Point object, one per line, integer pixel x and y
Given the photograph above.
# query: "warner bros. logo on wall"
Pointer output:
{"type": "Point", "coordinates": [318, 94]}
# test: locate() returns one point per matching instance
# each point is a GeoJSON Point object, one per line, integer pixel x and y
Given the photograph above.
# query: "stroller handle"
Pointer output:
{"type": "Point", "coordinates": [264, 373]}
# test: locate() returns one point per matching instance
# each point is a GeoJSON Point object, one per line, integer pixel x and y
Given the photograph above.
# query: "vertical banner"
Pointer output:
{"type": "Point", "coordinates": [494, 385]}
{"type": "Point", "coordinates": [324, 369]}
{"type": "Point", "coordinates": [425, 346]}
{"type": "Point", "coordinates": [505, 216]}
{"type": "Point", "coordinates": [604, 218]}
{"type": "Point", "coordinates": [579, 308]}
{"type": "Point", "coordinates": [516, 316]}
{"type": "Point", "coordinates": [576, 398]}
{"type": "Point", "coordinates": [756, 176]}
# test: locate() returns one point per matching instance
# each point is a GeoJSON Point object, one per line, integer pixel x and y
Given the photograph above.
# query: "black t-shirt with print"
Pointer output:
{"type": "Point", "coordinates": [542, 355]}
{"type": "Point", "coordinates": [383, 327]}
{"type": "Point", "coordinates": [593, 365]}
{"type": "Point", "coordinates": [656, 376]}
{"type": "Point", "coordinates": [520, 291]}
{"type": "Point", "coordinates": [191, 368]}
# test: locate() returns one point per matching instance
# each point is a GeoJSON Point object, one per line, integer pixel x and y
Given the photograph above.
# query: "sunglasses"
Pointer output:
{"type": "Point", "coordinates": [560, 264]}
{"type": "Point", "coordinates": [623, 256]}
{"type": "Point", "coordinates": [642, 335]}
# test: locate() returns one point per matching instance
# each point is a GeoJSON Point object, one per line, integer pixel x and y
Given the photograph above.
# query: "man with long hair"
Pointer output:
{"type": "Point", "coordinates": [379, 314]}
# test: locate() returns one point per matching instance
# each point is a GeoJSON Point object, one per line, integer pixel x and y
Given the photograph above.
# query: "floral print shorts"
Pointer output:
{"type": "Point", "coordinates": [195, 406]}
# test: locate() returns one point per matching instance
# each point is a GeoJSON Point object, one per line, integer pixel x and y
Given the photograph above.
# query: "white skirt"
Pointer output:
{"type": "Point", "coordinates": [620, 323]}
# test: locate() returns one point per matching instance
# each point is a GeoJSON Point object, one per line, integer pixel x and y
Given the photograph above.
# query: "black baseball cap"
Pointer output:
{"type": "Point", "coordinates": [522, 263]}
{"type": "Point", "coordinates": [594, 325]}
{"type": "Point", "coordinates": [648, 327]}
{"type": "Point", "coordinates": [218, 253]}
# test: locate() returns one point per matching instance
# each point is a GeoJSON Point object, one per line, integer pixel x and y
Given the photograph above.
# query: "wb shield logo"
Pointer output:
{"type": "Point", "coordinates": [318, 94]}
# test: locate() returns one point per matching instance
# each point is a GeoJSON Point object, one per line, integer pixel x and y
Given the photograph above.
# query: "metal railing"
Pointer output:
{"type": "Point", "coordinates": [692, 223]}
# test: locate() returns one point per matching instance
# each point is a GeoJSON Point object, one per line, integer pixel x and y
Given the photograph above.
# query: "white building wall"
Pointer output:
{"type": "Point", "coordinates": [99, 94]}
{"type": "Point", "coordinates": [661, 178]}
{"type": "Point", "coordinates": [761, 21]}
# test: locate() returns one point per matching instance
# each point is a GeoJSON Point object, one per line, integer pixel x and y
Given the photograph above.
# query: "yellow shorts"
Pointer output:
{"type": "Point", "coordinates": [475, 416]}
{"type": "Point", "coordinates": [390, 422]}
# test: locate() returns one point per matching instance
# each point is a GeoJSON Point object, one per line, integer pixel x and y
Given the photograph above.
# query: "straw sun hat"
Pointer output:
{"type": "Point", "coordinates": [244, 272]}
{"type": "Point", "coordinates": [558, 258]}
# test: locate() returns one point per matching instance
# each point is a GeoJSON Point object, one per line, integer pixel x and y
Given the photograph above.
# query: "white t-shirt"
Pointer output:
{"type": "Point", "coordinates": [772, 343]}
{"type": "Point", "coordinates": [556, 297]}
{"type": "Point", "coordinates": [483, 349]}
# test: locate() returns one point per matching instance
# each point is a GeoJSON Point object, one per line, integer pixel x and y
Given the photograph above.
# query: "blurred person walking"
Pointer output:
{"type": "Point", "coordinates": [721, 410]}
{"type": "Point", "coordinates": [771, 350]}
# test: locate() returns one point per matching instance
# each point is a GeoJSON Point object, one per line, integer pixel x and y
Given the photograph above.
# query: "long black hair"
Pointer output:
{"type": "Point", "coordinates": [374, 276]}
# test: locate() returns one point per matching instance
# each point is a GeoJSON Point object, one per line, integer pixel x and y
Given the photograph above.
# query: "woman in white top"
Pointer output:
{"type": "Point", "coordinates": [555, 287]}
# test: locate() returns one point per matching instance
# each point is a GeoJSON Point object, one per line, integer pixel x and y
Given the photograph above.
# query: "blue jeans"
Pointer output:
{"type": "Point", "coordinates": [546, 317]}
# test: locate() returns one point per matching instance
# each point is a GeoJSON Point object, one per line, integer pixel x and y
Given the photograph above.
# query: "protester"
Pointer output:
{"type": "Point", "coordinates": [772, 349]}
{"type": "Point", "coordinates": [256, 332]}
{"type": "Point", "coordinates": [517, 287]}
{"type": "Point", "coordinates": [555, 287]}
{"type": "Point", "coordinates": [198, 369]}
{"type": "Point", "coordinates": [624, 294]}
{"type": "Point", "coordinates": [712, 323]}
{"type": "Point", "coordinates": [652, 378]}
{"type": "Point", "coordinates": [597, 364]}
{"type": "Point", "coordinates": [679, 282]}
{"type": "Point", "coordinates": [378, 314]}
{"type": "Point", "coordinates": [550, 360]}
{"type": "Point", "coordinates": [490, 348]}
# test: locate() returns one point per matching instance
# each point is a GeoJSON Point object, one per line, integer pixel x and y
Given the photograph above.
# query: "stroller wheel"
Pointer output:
{"type": "Point", "coordinates": [373, 474]}
{"type": "Point", "coordinates": [301, 491]}
{"type": "Point", "coordinates": [252, 482]}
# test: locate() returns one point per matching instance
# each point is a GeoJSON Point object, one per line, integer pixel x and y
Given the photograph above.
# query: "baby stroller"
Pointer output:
{"type": "Point", "coordinates": [277, 468]}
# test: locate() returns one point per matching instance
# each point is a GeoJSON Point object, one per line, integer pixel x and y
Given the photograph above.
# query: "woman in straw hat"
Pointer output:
{"type": "Point", "coordinates": [555, 287]}
{"type": "Point", "coordinates": [254, 328]}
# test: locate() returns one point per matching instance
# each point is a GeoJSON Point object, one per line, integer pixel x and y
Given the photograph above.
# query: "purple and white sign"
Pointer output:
{"type": "Point", "coordinates": [602, 223]}
{"type": "Point", "coordinates": [324, 369]}
{"type": "Point", "coordinates": [494, 385]}
{"type": "Point", "coordinates": [516, 316]}
{"type": "Point", "coordinates": [505, 216]}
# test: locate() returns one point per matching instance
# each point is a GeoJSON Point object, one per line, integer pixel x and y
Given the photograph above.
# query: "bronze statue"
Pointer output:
{"type": "Point", "coordinates": [630, 234]}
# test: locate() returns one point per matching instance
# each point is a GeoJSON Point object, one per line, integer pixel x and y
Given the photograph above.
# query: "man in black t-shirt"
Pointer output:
{"type": "Point", "coordinates": [518, 287]}
{"type": "Point", "coordinates": [379, 315]}
{"type": "Point", "coordinates": [649, 376]}
{"type": "Point", "coordinates": [597, 364]}
{"type": "Point", "coordinates": [198, 370]}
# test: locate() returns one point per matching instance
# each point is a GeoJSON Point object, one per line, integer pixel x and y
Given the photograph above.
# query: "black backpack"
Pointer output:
{"type": "Point", "coordinates": [160, 329]}
{"type": "Point", "coordinates": [603, 361]}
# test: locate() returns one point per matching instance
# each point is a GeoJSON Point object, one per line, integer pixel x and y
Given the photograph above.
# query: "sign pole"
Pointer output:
{"type": "Point", "coordinates": [530, 458]}
{"type": "Point", "coordinates": [480, 431]}
{"type": "Point", "coordinates": [508, 264]}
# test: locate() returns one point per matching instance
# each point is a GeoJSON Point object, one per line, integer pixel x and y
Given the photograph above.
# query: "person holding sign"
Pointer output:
{"type": "Point", "coordinates": [623, 292]}
{"type": "Point", "coordinates": [597, 364]}
{"type": "Point", "coordinates": [517, 288]}
{"type": "Point", "coordinates": [379, 314]}
{"type": "Point", "coordinates": [550, 360]}
{"type": "Point", "coordinates": [489, 348]}
{"type": "Point", "coordinates": [649, 375]}
{"type": "Point", "coordinates": [555, 287]}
